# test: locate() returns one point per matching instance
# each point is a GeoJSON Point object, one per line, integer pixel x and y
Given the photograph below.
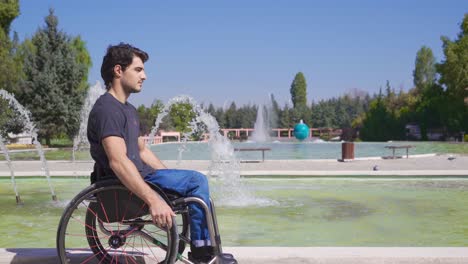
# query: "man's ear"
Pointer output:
{"type": "Point", "coordinates": [118, 71]}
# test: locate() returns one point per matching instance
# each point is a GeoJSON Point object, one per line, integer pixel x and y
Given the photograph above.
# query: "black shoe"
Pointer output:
{"type": "Point", "coordinates": [198, 260]}
{"type": "Point", "coordinates": [226, 258]}
{"type": "Point", "coordinates": [211, 251]}
{"type": "Point", "coordinates": [205, 254]}
{"type": "Point", "coordinates": [200, 255]}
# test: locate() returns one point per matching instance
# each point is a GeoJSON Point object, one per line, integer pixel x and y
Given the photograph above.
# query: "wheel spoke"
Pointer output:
{"type": "Point", "coordinates": [107, 223]}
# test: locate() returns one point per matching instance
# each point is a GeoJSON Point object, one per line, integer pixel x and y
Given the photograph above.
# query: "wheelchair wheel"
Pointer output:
{"type": "Point", "coordinates": [106, 223]}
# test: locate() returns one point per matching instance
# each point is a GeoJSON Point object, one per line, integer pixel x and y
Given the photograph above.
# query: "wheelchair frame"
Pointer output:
{"type": "Point", "coordinates": [96, 209]}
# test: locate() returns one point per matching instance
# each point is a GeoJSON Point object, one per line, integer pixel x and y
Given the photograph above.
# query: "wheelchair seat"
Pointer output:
{"type": "Point", "coordinates": [134, 206]}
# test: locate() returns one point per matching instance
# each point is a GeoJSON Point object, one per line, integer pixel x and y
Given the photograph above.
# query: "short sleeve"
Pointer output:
{"type": "Point", "coordinates": [110, 123]}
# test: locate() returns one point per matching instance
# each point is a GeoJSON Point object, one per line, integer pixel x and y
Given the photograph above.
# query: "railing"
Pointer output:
{"type": "Point", "coordinates": [238, 132]}
{"type": "Point", "coordinates": [156, 140]}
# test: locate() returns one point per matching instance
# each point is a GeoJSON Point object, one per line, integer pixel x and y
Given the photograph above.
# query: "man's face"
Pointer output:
{"type": "Point", "coordinates": [133, 76]}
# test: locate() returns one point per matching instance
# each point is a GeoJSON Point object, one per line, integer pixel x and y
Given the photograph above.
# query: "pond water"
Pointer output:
{"type": "Point", "coordinates": [335, 211]}
{"type": "Point", "coordinates": [305, 150]}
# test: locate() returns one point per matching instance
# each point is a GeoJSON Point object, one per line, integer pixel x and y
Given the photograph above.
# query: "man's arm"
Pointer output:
{"type": "Point", "coordinates": [148, 157]}
{"type": "Point", "coordinates": [128, 174]}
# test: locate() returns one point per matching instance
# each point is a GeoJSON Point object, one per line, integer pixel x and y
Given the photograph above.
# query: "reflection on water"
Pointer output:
{"type": "Point", "coordinates": [300, 212]}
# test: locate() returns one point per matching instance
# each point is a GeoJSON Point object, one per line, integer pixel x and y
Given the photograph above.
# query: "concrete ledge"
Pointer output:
{"type": "Point", "coordinates": [350, 255]}
{"type": "Point", "coordinates": [418, 165]}
{"type": "Point", "coordinates": [299, 173]}
{"type": "Point", "coordinates": [357, 173]}
{"type": "Point", "coordinates": [289, 255]}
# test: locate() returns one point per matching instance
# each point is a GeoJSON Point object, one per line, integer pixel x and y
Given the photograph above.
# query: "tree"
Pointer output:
{"type": "Point", "coordinates": [424, 74]}
{"type": "Point", "coordinates": [9, 10]}
{"type": "Point", "coordinates": [220, 117]}
{"type": "Point", "coordinates": [375, 126]}
{"type": "Point", "coordinates": [10, 120]}
{"type": "Point", "coordinates": [148, 116]}
{"type": "Point", "coordinates": [381, 122]}
{"type": "Point", "coordinates": [55, 68]}
{"type": "Point", "coordinates": [211, 109]}
{"type": "Point", "coordinates": [299, 91]}
{"type": "Point", "coordinates": [231, 116]}
{"type": "Point", "coordinates": [430, 109]}
{"type": "Point", "coordinates": [182, 114]}
{"type": "Point", "coordinates": [454, 76]}
{"type": "Point", "coordinates": [274, 112]}
{"type": "Point", "coordinates": [390, 98]}
{"type": "Point", "coordinates": [285, 117]}
{"type": "Point", "coordinates": [300, 113]}
{"type": "Point", "coordinates": [247, 115]}
{"type": "Point", "coordinates": [83, 58]}
{"type": "Point", "coordinates": [10, 67]}
{"type": "Point", "coordinates": [454, 69]}
{"type": "Point", "coordinates": [343, 112]}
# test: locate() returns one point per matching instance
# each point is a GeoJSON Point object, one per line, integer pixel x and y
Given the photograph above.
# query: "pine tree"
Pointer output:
{"type": "Point", "coordinates": [299, 91]}
{"type": "Point", "coordinates": [53, 89]}
{"type": "Point", "coordinates": [424, 74]}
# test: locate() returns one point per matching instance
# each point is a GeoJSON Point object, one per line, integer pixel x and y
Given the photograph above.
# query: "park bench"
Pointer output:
{"type": "Point", "coordinates": [254, 149]}
{"type": "Point", "coordinates": [407, 147]}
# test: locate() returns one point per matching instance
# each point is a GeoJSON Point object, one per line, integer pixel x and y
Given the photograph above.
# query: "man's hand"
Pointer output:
{"type": "Point", "coordinates": [161, 213]}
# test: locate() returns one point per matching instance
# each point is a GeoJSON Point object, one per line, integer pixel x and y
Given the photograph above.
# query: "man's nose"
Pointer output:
{"type": "Point", "coordinates": [143, 76]}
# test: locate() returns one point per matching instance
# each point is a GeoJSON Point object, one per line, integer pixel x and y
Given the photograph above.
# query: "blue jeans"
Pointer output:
{"type": "Point", "coordinates": [187, 183]}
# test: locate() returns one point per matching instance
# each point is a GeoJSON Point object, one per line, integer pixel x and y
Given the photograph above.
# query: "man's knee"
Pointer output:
{"type": "Point", "coordinates": [200, 179]}
{"type": "Point", "coordinates": [200, 185]}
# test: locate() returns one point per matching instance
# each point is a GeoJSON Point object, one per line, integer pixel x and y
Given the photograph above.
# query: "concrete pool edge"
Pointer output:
{"type": "Point", "coordinates": [428, 165]}
{"type": "Point", "coordinates": [254, 255]}
{"type": "Point", "coordinates": [280, 173]}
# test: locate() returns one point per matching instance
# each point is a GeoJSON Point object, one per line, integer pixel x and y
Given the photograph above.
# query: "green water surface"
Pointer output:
{"type": "Point", "coordinates": [301, 212]}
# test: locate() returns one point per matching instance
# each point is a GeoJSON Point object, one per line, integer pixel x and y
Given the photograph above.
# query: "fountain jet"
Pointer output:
{"type": "Point", "coordinates": [264, 122]}
{"type": "Point", "coordinates": [81, 139]}
{"type": "Point", "coordinates": [29, 125]}
{"type": "Point", "coordinates": [224, 165]}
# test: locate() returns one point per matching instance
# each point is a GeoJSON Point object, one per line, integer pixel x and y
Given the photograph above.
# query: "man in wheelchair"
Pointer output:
{"type": "Point", "coordinates": [119, 151]}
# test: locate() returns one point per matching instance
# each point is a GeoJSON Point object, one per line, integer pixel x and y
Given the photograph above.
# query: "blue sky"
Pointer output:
{"type": "Point", "coordinates": [224, 51]}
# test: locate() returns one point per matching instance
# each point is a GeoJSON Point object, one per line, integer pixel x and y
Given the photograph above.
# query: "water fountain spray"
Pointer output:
{"type": "Point", "coordinates": [29, 125]}
{"type": "Point", "coordinates": [264, 121]}
{"type": "Point", "coordinates": [261, 127]}
{"type": "Point", "coordinates": [224, 165]}
{"type": "Point", "coordinates": [81, 138]}
{"type": "Point", "coordinates": [12, 174]}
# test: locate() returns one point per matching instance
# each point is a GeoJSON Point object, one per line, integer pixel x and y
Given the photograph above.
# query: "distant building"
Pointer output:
{"type": "Point", "coordinates": [436, 134]}
{"type": "Point", "coordinates": [22, 138]}
{"type": "Point", "coordinates": [413, 131]}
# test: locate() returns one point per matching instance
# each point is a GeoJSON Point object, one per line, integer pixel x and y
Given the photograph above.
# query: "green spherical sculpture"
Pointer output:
{"type": "Point", "coordinates": [301, 131]}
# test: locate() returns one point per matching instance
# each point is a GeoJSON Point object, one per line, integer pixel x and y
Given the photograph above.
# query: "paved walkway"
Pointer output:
{"type": "Point", "coordinates": [293, 255]}
{"type": "Point", "coordinates": [424, 165]}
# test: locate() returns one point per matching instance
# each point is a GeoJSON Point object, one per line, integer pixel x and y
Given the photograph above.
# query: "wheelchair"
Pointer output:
{"type": "Point", "coordinates": [106, 223]}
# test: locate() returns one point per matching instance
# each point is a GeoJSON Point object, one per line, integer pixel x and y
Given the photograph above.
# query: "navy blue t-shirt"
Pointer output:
{"type": "Point", "coordinates": [110, 117]}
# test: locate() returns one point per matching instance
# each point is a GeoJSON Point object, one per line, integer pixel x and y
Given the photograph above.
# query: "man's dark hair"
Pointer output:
{"type": "Point", "coordinates": [121, 54]}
